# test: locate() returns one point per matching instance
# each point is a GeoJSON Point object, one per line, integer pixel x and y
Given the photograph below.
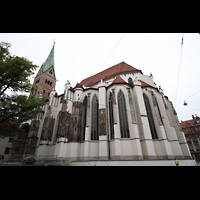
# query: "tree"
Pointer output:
{"type": "Point", "coordinates": [16, 108]}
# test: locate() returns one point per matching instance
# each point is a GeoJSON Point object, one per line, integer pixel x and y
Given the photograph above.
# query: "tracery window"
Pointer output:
{"type": "Point", "coordinates": [111, 116]}
{"type": "Point", "coordinates": [95, 117]}
{"type": "Point", "coordinates": [123, 116]}
{"type": "Point", "coordinates": [150, 117]}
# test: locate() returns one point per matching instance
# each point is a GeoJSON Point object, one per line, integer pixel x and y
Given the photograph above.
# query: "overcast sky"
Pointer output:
{"type": "Point", "coordinates": [77, 56]}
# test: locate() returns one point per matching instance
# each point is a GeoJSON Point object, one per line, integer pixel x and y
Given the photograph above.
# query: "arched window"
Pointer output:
{"type": "Point", "coordinates": [111, 116]}
{"type": "Point", "coordinates": [150, 117]}
{"type": "Point", "coordinates": [84, 115]}
{"type": "Point", "coordinates": [130, 81]}
{"type": "Point", "coordinates": [157, 110]}
{"type": "Point", "coordinates": [123, 115]}
{"type": "Point", "coordinates": [95, 119]}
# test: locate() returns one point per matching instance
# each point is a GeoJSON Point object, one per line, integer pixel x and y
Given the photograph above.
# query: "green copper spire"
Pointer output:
{"type": "Point", "coordinates": [49, 61]}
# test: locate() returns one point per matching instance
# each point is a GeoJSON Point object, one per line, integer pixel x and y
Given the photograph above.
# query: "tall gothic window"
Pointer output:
{"type": "Point", "coordinates": [111, 116]}
{"type": "Point", "coordinates": [123, 116]}
{"type": "Point", "coordinates": [150, 117]}
{"type": "Point", "coordinates": [84, 116]}
{"type": "Point", "coordinates": [95, 121]}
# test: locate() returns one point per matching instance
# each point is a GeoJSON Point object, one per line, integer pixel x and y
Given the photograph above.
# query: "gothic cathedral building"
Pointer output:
{"type": "Point", "coordinates": [116, 116]}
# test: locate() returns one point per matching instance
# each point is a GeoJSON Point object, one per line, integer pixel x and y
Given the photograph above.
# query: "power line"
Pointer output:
{"type": "Point", "coordinates": [111, 52]}
{"type": "Point", "coordinates": [192, 95]}
{"type": "Point", "coordinates": [188, 110]}
{"type": "Point", "coordinates": [109, 55]}
{"type": "Point", "coordinates": [179, 68]}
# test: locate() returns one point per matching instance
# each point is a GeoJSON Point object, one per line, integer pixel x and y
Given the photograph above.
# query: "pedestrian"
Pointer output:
{"type": "Point", "coordinates": [176, 162]}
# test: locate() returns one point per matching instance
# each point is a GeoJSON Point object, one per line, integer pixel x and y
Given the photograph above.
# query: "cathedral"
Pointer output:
{"type": "Point", "coordinates": [116, 117]}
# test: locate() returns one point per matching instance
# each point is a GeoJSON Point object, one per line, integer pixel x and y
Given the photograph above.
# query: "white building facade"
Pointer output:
{"type": "Point", "coordinates": [118, 116]}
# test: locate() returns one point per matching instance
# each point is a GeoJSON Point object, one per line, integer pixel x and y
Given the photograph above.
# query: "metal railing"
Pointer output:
{"type": "Point", "coordinates": [15, 160]}
{"type": "Point", "coordinates": [11, 160]}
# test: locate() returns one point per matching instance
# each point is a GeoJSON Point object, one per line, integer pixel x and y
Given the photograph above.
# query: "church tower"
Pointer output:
{"type": "Point", "coordinates": [46, 78]}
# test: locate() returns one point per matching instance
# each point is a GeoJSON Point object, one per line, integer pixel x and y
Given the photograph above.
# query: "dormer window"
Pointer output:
{"type": "Point", "coordinates": [130, 81]}
{"type": "Point", "coordinates": [197, 128]}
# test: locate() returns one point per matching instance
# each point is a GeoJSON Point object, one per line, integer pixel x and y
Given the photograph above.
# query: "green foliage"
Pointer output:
{"type": "Point", "coordinates": [29, 161]}
{"type": "Point", "coordinates": [16, 109]}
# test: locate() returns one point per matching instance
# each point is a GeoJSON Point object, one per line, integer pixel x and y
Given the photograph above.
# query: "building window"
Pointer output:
{"type": "Point", "coordinates": [43, 91]}
{"type": "Point", "coordinates": [188, 138]}
{"type": "Point", "coordinates": [188, 130]}
{"type": "Point", "coordinates": [123, 116]}
{"type": "Point", "coordinates": [197, 128]}
{"type": "Point", "coordinates": [95, 119]}
{"type": "Point", "coordinates": [10, 140]}
{"type": "Point", "coordinates": [130, 81]}
{"type": "Point", "coordinates": [150, 117]}
{"type": "Point", "coordinates": [111, 116]}
{"type": "Point", "coordinates": [194, 137]}
{"type": "Point", "coordinates": [190, 146]}
{"type": "Point", "coordinates": [196, 145]}
{"type": "Point", "coordinates": [84, 117]}
{"type": "Point", "coordinates": [61, 99]}
{"type": "Point", "coordinates": [7, 150]}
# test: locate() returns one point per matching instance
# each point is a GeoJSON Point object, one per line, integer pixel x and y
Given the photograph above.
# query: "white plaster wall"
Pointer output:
{"type": "Point", "coordinates": [126, 147]}
{"type": "Point", "coordinates": [82, 149]}
{"type": "Point", "coordinates": [94, 149]}
{"type": "Point", "coordinates": [103, 147]}
{"type": "Point", "coordinates": [3, 144]}
{"type": "Point", "coordinates": [45, 150]}
{"type": "Point", "coordinates": [78, 94]}
{"type": "Point", "coordinates": [118, 147]}
{"type": "Point", "coordinates": [176, 148]}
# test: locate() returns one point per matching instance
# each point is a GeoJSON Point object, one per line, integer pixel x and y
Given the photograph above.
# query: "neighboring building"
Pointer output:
{"type": "Point", "coordinates": [5, 146]}
{"type": "Point", "coordinates": [191, 129]}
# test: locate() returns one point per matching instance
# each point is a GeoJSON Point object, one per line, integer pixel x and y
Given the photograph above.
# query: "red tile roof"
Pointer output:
{"type": "Point", "coordinates": [108, 73]}
{"type": "Point", "coordinates": [190, 125]}
{"type": "Point", "coordinates": [143, 84]}
{"type": "Point", "coordinates": [78, 85]}
{"type": "Point", "coordinates": [183, 124]}
{"type": "Point", "coordinates": [118, 80]}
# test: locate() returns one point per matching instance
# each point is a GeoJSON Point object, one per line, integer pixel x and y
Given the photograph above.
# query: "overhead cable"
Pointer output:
{"type": "Point", "coordinates": [179, 68]}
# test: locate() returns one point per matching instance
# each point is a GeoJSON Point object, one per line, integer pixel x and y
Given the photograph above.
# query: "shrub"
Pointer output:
{"type": "Point", "coordinates": [29, 161]}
